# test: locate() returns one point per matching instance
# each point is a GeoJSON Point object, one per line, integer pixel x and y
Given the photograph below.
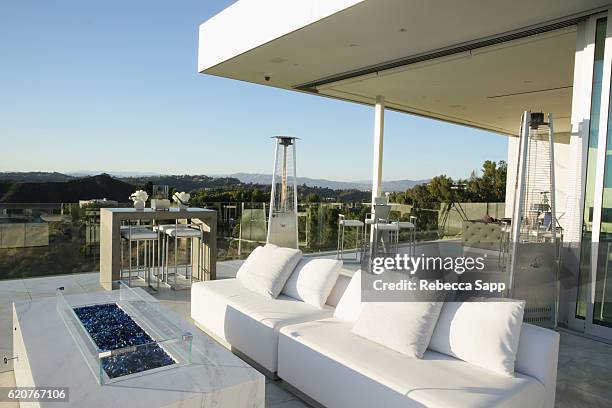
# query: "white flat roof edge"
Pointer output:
{"type": "Point", "coordinates": [248, 24]}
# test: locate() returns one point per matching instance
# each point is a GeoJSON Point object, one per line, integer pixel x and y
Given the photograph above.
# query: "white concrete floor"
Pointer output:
{"type": "Point", "coordinates": [584, 374]}
{"type": "Point", "coordinates": [28, 289]}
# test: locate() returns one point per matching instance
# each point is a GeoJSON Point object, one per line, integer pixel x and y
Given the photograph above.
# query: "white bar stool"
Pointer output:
{"type": "Point", "coordinates": [180, 231]}
{"type": "Point", "coordinates": [343, 223]}
{"type": "Point", "coordinates": [379, 216]}
{"type": "Point", "coordinates": [393, 229]}
{"type": "Point", "coordinates": [140, 233]}
{"type": "Point", "coordinates": [406, 225]}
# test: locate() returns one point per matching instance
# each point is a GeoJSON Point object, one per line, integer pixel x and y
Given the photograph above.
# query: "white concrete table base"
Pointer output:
{"type": "Point", "coordinates": [48, 357]}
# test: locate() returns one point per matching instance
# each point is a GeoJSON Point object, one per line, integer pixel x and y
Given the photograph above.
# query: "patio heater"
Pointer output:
{"type": "Point", "coordinates": [533, 272]}
{"type": "Point", "coordinates": [282, 223]}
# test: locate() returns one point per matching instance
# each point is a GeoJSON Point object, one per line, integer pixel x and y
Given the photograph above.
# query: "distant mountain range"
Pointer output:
{"type": "Point", "coordinates": [34, 177]}
{"type": "Point", "coordinates": [52, 187]}
{"type": "Point", "coordinates": [192, 182]}
{"type": "Point", "coordinates": [392, 185]}
{"type": "Point", "coordinates": [118, 174]}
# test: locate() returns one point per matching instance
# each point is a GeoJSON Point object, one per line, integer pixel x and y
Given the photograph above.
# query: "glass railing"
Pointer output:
{"type": "Point", "coordinates": [54, 239]}
{"type": "Point", "coordinates": [38, 239]}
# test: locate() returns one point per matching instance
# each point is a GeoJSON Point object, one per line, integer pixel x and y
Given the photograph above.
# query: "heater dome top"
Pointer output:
{"type": "Point", "coordinates": [285, 140]}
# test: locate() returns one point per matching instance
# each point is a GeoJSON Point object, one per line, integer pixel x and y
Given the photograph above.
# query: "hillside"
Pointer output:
{"type": "Point", "coordinates": [102, 186]}
{"type": "Point", "coordinates": [33, 177]}
{"type": "Point", "coordinates": [364, 185]}
{"type": "Point", "coordinates": [183, 182]}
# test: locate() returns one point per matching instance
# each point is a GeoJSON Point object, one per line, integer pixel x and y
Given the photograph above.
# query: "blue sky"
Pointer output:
{"type": "Point", "coordinates": [113, 86]}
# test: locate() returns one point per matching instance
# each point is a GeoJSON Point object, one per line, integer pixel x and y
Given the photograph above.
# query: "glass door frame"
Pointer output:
{"type": "Point", "coordinates": [589, 327]}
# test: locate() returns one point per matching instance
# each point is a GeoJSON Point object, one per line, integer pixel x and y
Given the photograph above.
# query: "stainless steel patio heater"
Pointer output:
{"type": "Point", "coordinates": [282, 224]}
{"type": "Point", "coordinates": [533, 271]}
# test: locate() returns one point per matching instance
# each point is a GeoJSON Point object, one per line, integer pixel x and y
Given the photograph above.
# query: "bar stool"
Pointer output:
{"type": "Point", "coordinates": [375, 222]}
{"type": "Point", "coordinates": [140, 233]}
{"type": "Point", "coordinates": [406, 225]}
{"type": "Point", "coordinates": [180, 231]}
{"type": "Point", "coordinates": [343, 223]}
{"type": "Point", "coordinates": [393, 229]}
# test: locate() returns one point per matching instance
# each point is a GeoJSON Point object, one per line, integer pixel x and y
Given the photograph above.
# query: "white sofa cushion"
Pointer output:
{"type": "Point", "coordinates": [339, 369]}
{"type": "Point", "coordinates": [349, 306]}
{"type": "Point", "coordinates": [269, 269]}
{"type": "Point", "coordinates": [246, 320]}
{"type": "Point", "coordinates": [244, 268]}
{"type": "Point", "coordinates": [312, 280]}
{"type": "Point", "coordinates": [482, 333]}
{"type": "Point", "coordinates": [405, 327]}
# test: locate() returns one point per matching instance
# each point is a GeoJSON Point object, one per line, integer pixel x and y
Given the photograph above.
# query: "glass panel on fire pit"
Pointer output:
{"type": "Point", "coordinates": [123, 333]}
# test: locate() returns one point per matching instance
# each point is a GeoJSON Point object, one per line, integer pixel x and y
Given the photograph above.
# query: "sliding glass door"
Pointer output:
{"type": "Point", "coordinates": [591, 168]}
{"type": "Point", "coordinates": [594, 294]}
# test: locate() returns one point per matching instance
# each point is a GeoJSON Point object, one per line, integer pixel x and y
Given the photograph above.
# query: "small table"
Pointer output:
{"type": "Point", "coordinates": [110, 238]}
{"type": "Point", "coordinates": [49, 357]}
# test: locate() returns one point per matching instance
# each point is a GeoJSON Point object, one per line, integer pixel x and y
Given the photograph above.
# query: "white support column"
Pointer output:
{"type": "Point", "coordinates": [379, 135]}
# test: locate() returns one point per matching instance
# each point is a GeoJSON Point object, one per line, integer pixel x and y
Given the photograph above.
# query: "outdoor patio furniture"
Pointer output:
{"type": "Point", "coordinates": [140, 234]}
{"type": "Point", "coordinates": [411, 227]}
{"type": "Point", "coordinates": [377, 221]}
{"type": "Point", "coordinates": [385, 234]}
{"type": "Point", "coordinates": [482, 235]}
{"type": "Point", "coordinates": [248, 322]}
{"type": "Point", "coordinates": [173, 233]}
{"type": "Point", "coordinates": [320, 359]}
{"type": "Point", "coordinates": [110, 238]}
{"type": "Point", "coordinates": [52, 356]}
{"type": "Point", "coordinates": [343, 223]}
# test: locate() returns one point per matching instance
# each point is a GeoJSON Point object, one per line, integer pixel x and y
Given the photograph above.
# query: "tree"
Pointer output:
{"type": "Point", "coordinates": [257, 196]}
{"type": "Point", "coordinates": [489, 187]}
{"type": "Point", "coordinates": [148, 187]}
{"type": "Point", "coordinates": [312, 198]}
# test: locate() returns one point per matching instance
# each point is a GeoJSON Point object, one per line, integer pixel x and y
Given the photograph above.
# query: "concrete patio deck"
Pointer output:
{"type": "Point", "coordinates": [584, 374]}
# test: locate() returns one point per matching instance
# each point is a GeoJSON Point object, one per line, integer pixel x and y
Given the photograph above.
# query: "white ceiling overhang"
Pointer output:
{"type": "Point", "coordinates": [478, 63]}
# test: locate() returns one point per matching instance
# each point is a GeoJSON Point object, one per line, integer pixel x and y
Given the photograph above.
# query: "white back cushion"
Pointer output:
{"type": "Point", "coordinates": [405, 327]}
{"type": "Point", "coordinates": [339, 287]}
{"type": "Point", "coordinates": [242, 271]}
{"type": "Point", "coordinates": [349, 306]}
{"type": "Point", "coordinates": [312, 280]}
{"type": "Point", "coordinates": [485, 334]}
{"type": "Point", "coordinates": [269, 269]}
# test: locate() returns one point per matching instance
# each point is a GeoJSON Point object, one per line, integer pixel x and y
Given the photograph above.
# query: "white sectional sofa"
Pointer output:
{"type": "Point", "coordinates": [249, 323]}
{"type": "Point", "coordinates": [319, 356]}
{"type": "Point", "coordinates": [336, 368]}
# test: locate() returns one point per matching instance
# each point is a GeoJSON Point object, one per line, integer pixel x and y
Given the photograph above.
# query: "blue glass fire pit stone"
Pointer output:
{"type": "Point", "coordinates": [111, 329]}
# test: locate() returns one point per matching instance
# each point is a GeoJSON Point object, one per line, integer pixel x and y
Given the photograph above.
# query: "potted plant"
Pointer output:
{"type": "Point", "coordinates": [182, 199]}
{"type": "Point", "coordinates": [139, 197]}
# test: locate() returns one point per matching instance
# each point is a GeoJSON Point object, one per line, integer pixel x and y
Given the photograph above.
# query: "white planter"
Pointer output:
{"type": "Point", "coordinates": [160, 204]}
{"type": "Point", "coordinates": [139, 205]}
